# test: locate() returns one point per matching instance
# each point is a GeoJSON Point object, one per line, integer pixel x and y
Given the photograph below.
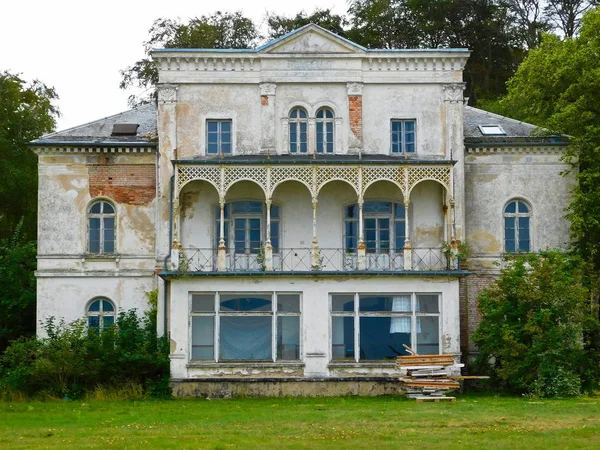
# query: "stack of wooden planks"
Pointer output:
{"type": "Point", "coordinates": [429, 377]}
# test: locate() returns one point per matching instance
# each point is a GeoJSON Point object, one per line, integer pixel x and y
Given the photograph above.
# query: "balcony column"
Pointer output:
{"type": "Point", "coordinates": [362, 249]}
{"type": "Point", "coordinates": [222, 251]}
{"type": "Point", "coordinates": [176, 249]}
{"type": "Point", "coordinates": [407, 246]}
{"type": "Point", "coordinates": [268, 257]}
{"type": "Point", "coordinates": [315, 252]}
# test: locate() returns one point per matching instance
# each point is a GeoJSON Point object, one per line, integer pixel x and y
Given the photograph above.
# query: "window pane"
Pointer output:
{"type": "Point", "coordinates": [509, 245]}
{"type": "Point", "coordinates": [108, 321]}
{"type": "Point", "coordinates": [107, 208]}
{"type": "Point", "coordinates": [510, 208]}
{"type": "Point", "coordinates": [213, 148]}
{"type": "Point", "coordinates": [375, 303]}
{"type": "Point", "coordinates": [351, 211]}
{"type": "Point", "coordinates": [342, 302]}
{"type": "Point", "coordinates": [107, 306]}
{"type": "Point", "coordinates": [410, 148]}
{"type": "Point", "coordinates": [94, 224]}
{"type": "Point", "coordinates": [523, 224]}
{"type": "Point", "coordinates": [428, 340]}
{"type": "Point", "coordinates": [256, 303]}
{"type": "Point", "coordinates": [245, 338]}
{"type": "Point", "coordinates": [294, 113]}
{"type": "Point", "coordinates": [377, 207]}
{"type": "Point", "coordinates": [212, 126]}
{"type": "Point", "coordinates": [379, 340]}
{"type": "Point", "coordinates": [409, 126]}
{"type": "Point", "coordinates": [288, 302]}
{"type": "Point", "coordinates": [288, 337]}
{"type": "Point", "coordinates": [203, 303]}
{"type": "Point", "coordinates": [523, 207]}
{"type": "Point", "coordinates": [94, 322]}
{"type": "Point", "coordinates": [524, 245]}
{"type": "Point", "coordinates": [226, 148]}
{"type": "Point", "coordinates": [396, 126]}
{"type": "Point", "coordinates": [342, 338]}
{"type": "Point", "coordinates": [274, 212]}
{"type": "Point", "coordinates": [95, 307]}
{"type": "Point", "coordinates": [203, 337]}
{"type": "Point", "coordinates": [302, 114]}
{"type": "Point", "coordinates": [109, 247]}
{"type": "Point", "coordinates": [509, 225]}
{"type": "Point", "coordinates": [427, 304]}
{"type": "Point", "coordinates": [96, 208]}
{"type": "Point", "coordinates": [225, 126]}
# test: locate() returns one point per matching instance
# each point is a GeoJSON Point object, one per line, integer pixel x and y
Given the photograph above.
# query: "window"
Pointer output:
{"type": "Point", "coordinates": [218, 137]}
{"type": "Point", "coordinates": [101, 227]}
{"type": "Point", "coordinates": [325, 130]}
{"type": "Point", "coordinates": [244, 226]}
{"type": "Point", "coordinates": [245, 327]}
{"type": "Point", "coordinates": [517, 216]}
{"type": "Point", "coordinates": [371, 327]}
{"type": "Point", "coordinates": [403, 136]}
{"type": "Point", "coordinates": [491, 130]}
{"type": "Point", "coordinates": [298, 123]}
{"type": "Point", "coordinates": [384, 227]}
{"type": "Point", "coordinates": [101, 314]}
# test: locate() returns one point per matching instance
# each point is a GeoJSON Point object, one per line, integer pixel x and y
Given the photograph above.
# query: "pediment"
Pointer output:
{"type": "Point", "coordinates": [311, 39]}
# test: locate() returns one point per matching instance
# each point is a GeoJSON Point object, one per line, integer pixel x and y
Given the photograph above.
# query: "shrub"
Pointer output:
{"type": "Point", "coordinates": [536, 324]}
{"type": "Point", "coordinates": [74, 361]}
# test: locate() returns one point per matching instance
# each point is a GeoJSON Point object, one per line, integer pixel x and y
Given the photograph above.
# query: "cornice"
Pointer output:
{"type": "Point", "coordinates": [147, 148]}
{"type": "Point", "coordinates": [533, 149]}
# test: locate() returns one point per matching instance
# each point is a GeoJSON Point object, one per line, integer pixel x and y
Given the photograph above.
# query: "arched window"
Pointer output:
{"type": "Point", "coordinates": [325, 130]}
{"type": "Point", "coordinates": [517, 217]}
{"type": "Point", "coordinates": [245, 226]}
{"type": "Point", "coordinates": [101, 227]}
{"type": "Point", "coordinates": [298, 123]}
{"type": "Point", "coordinates": [101, 314]}
{"type": "Point", "coordinates": [384, 227]}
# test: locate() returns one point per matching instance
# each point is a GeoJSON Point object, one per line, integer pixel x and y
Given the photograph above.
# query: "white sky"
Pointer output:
{"type": "Point", "coordinates": [79, 46]}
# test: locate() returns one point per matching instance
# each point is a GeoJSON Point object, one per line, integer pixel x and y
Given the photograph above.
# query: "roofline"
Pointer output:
{"type": "Point", "coordinates": [507, 143]}
{"type": "Point", "coordinates": [44, 143]}
{"type": "Point", "coordinates": [167, 275]}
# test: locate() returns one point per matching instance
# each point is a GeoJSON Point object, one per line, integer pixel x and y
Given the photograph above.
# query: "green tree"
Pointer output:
{"type": "Point", "coordinates": [280, 25]}
{"type": "Point", "coordinates": [558, 88]}
{"type": "Point", "coordinates": [534, 320]}
{"type": "Point", "coordinates": [17, 288]}
{"type": "Point", "coordinates": [27, 111]}
{"type": "Point", "coordinates": [219, 30]}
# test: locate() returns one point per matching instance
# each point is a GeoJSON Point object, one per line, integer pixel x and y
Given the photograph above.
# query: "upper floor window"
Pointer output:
{"type": "Point", "coordinates": [298, 123]}
{"type": "Point", "coordinates": [517, 216]}
{"type": "Point", "coordinates": [218, 137]}
{"type": "Point", "coordinates": [245, 226]}
{"type": "Point", "coordinates": [325, 130]}
{"type": "Point", "coordinates": [101, 227]}
{"type": "Point", "coordinates": [384, 227]}
{"type": "Point", "coordinates": [403, 136]}
{"type": "Point", "coordinates": [101, 314]}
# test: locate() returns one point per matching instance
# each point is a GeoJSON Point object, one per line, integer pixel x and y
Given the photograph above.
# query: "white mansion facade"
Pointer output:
{"type": "Point", "coordinates": [300, 208]}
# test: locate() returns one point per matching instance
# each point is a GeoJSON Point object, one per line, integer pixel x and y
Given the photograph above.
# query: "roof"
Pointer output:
{"type": "Point", "coordinates": [99, 131]}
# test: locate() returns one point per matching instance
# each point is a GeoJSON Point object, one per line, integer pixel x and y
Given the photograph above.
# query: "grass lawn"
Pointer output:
{"type": "Point", "coordinates": [286, 423]}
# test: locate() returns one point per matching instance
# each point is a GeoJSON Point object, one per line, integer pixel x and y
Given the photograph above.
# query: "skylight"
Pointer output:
{"type": "Point", "coordinates": [490, 130]}
{"type": "Point", "coordinates": [124, 129]}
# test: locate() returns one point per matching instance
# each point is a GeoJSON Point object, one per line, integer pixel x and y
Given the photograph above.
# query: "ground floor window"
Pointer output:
{"type": "Point", "coordinates": [375, 326]}
{"type": "Point", "coordinates": [245, 326]}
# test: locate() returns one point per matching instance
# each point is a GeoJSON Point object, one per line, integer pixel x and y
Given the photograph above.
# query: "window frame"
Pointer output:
{"type": "Point", "coordinates": [219, 132]}
{"type": "Point", "coordinates": [100, 313]}
{"type": "Point", "coordinates": [101, 216]}
{"type": "Point", "coordinates": [324, 122]}
{"type": "Point", "coordinates": [402, 142]}
{"type": "Point", "coordinates": [216, 314]}
{"type": "Point", "coordinates": [516, 215]}
{"type": "Point", "coordinates": [356, 314]}
{"type": "Point", "coordinates": [393, 249]}
{"type": "Point", "coordinates": [296, 122]}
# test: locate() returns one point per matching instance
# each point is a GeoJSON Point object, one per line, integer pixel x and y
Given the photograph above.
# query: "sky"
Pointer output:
{"type": "Point", "coordinates": [79, 47]}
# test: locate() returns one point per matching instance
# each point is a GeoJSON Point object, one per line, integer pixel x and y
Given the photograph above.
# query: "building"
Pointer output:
{"type": "Point", "coordinates": [300, 208]}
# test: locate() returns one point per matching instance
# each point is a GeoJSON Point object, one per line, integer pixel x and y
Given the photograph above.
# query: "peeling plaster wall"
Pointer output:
{"type": "Point", "coordinates": [315, 320]}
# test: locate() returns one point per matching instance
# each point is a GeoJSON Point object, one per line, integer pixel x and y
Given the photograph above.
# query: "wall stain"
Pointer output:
{"type": "Point", "coordinates": [484, 242]}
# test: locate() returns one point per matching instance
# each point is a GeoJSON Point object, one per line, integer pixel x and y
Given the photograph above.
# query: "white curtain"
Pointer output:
{"type": "Point", "coordinates": [400, 303]}
{"type": "Point", "coordinates": [245, 338]}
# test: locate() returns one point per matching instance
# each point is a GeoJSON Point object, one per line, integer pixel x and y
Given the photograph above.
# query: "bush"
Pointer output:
{"type": "Point", "coordinates": [74, 361]}
{"type": "Point", "coordinates": [536, 332]}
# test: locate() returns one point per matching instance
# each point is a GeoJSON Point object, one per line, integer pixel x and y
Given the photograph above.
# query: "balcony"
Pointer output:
{"type": "Point", "coordinates": [305, 260]}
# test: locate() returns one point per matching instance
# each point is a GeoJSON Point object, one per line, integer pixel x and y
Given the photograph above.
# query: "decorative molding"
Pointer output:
{"type": "Point", "coordinates": [507, 149]}
{"type": "Point", "coordinates": [205, 63]}
{"type": "Point", "coordinates": [453, 92]}
{"type": "Point", "coordinates": [354, 88]}
{"type": "Point", "coordinates": [167, 93]}
{"type": "Point", "coordinates": [41, 150]}
{"type": "Point", "coordinates": [417, 63]}
{"type": "Point", "coordinates": [267, 88]}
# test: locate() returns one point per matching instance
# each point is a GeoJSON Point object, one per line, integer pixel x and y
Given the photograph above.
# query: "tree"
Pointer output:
{"type": "Point", "coordinates": [281, 25]}
{"type": "Point", "coordinates": [558, 88]}
{"type": "Point", "coordinates": [566, 14]}
{"type": "Point", "coordinates": [27, 111]}
{"type": "Point", "coordinates": [536, 325]}
{"type": "Point", "coordinates": [531, 22]}
{"type": "Point", "coordinates": [219, 30]}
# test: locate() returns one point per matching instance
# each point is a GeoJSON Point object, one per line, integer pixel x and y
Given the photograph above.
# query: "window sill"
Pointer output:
{"type": "Point", "coordinates": [245, 364]}
{"type": "Point", "coordinates": [100, 257]}
{"type": "Point", "coordinates": [363, 365]}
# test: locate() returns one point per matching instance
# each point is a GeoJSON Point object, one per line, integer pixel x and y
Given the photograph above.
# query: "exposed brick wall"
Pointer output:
{"type": "Point", "coordinates": [469, 312]}
{"type": "Point", "coordinates": [132, 184]}
{"type": "Point", "coordinates": [355, 110]}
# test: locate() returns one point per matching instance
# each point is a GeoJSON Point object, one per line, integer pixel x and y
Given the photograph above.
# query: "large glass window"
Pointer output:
{"type": "Point", "coordinates": [218, 137]}
{"type": "Point", "coordinates": [101, 227]}
{"type": "Point", "coordinates": [298, 130]}
{"type": "Point", "coordinates": [517, 216]}
{"type": "Point", "coordinates": [325, 122]}
{"type": "Point", "coordinates": [245, 327]}
{"type": "Point", "coordinates": [101, 314]}
{"type": "Point", "coordinates": [374, 327]}
{"type": "Point", "coordinates": [384, 227]}
{"type": "Point", "coordinates": [403, 136]}
{"type": "Point", "coordinates": [244, 226]}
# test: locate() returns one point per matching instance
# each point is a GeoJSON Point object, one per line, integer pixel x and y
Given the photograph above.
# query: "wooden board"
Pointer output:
{"type": "Point", "coordinates": [427, 398]}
